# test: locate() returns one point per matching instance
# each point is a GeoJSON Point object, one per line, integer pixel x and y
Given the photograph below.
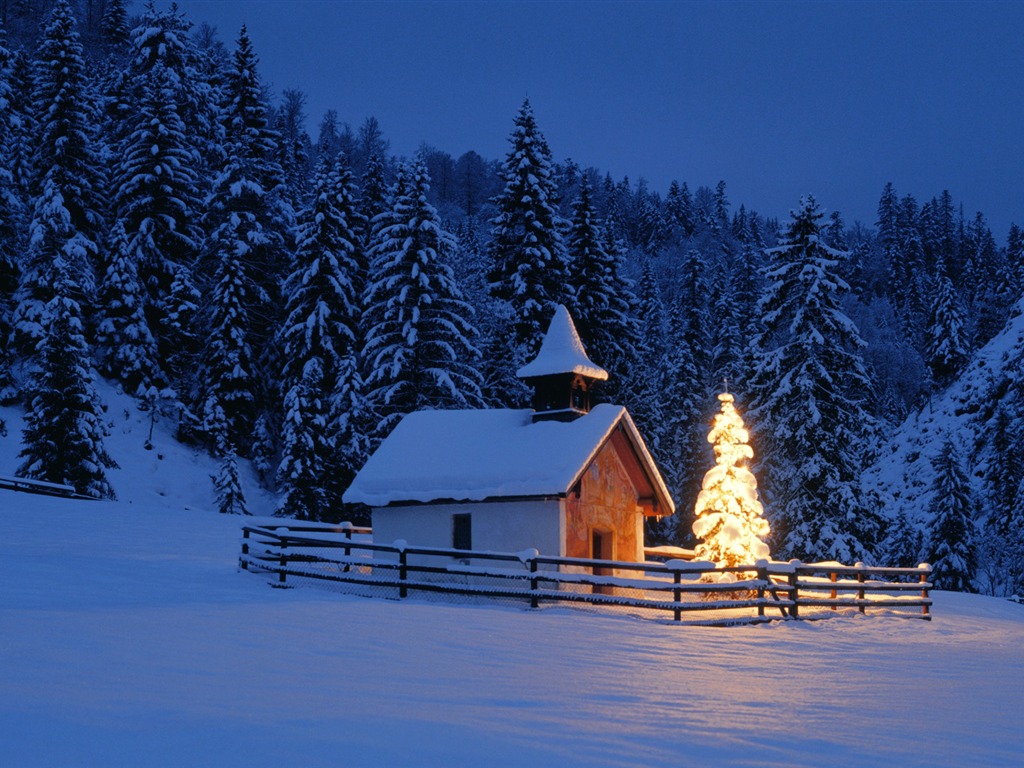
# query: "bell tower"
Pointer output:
{"type": "Point", "coordinates": [561, 374]}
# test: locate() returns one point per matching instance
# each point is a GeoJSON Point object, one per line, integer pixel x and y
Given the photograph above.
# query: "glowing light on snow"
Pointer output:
{"type": "Point", "coordinates": [728, 512]}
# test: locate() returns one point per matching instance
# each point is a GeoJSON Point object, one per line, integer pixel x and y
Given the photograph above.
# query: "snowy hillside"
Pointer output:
{"type": "Point", "coordinates": [964, 411]}
{"type": "Point", "coordinates": [170, 476]}
{"type": "Point", "coordinates": [129, 637]}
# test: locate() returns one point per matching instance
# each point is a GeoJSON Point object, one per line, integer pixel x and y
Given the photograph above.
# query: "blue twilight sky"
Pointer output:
{"type": "Point", "coordinates": [776, 98]}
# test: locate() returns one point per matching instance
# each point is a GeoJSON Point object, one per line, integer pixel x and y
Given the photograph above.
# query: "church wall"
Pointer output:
{"type": "Point", "coordinates": [607, 502]}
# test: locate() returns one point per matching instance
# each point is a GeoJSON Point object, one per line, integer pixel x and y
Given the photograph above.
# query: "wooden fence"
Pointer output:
{"type": "Point", "coordinates": [28, 485]}
{"type": "Point", "coordinates": [344, 554]}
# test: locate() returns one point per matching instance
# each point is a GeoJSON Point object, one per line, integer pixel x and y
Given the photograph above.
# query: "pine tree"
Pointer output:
{"type": "Point", "coordinates": [811, 387]}
{"type": "Point", "coordinates": [12, 214]}
{"type": "Point", "coordinates": [948, 347]}
{"type": "Point", "coordinates": [230, 498]}
{"type": "Point", "coordinates": [528, 258]}
{"type": "Point", "coordinates": [307, 446]}
{"type": "Point", "coordinates": [63, 435]}
{"type": "Point", "coordinates": [66, 189]}
{"type": "Point", "coordinates": [644, 386]}
{"type": "Point", "coordinates": [123, 338]}
{"type": "Point", "coordinates": [951, 547]}
{"type": "Point", "coordinates": [324, 303]}
{"type": "Point", "coordinates": [114, 24]}
{"type": "Point", "coordinates": [602, 297]}
{"type": "Point", "coordinates": [728, 513]}
{"type": "Point", "coordinates": [351, 422]}
{"type": "Point", "coordinates": [230, 386]}
{"type": "Point", "coordinates": [419, 339]}
{"type": "Point", "coordinates": [249, 216]}
{"type": "Point", "coordinates": [318, 340]}
{"type": "Point", "coordinates": [156, 185]}
{"type": "Point", "coordinates": [294, 148]}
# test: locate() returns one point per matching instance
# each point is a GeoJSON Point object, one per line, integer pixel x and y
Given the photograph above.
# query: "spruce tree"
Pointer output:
{"type": "Point", "coordinates": [66, 189]}
{"type": "Point", "coordinates": [602, 297]}
{"type": "Point", "coordinates": [12, 213]}
{"type": "Point", "coordinates": [419, 343]}
{"type": "Point", "coordinates": [123, 338]}
{"type": "Point", "coordinates": [249, 216]}
{"type": "Point", "coordinates": [166, 126]}
{"type": "Point", "coordinates": [307, 446]}
{"type": "Point", "coordinates": [948, 346]}
{"type": "Point", "coordinates": [528, 257]}
{"type": "Point", "coordinates": [319, 342]}
{"type": "Point", "coordinates": [951, 547]}
{"type": "Point", "coordinates": [63, 435]}
{"type": "Point", "coordinates": [810, 387]}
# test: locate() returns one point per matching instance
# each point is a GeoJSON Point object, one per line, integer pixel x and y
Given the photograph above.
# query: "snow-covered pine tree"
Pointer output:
{"type": "Point", "coordinates": [303, 473]}
{"type": "Point", "coordinates": [294, 147]}
{"type": "Point", "coordinates": [951, 546]}
{"type": "Point", "coordinates": [682, 448]}
{"type": "Point", "coordinates": [12, 213]}
{"type": "Point", "coordinates": [351, 423]}
{"type": "Point", "coordinates": [810, 387]}
{"type": "Point", "coordinates": [419, 343]}
{"type": "Point", "coordinates": [249, 217]}
{"type": "Point", "coordinates": [230, 498]}
{"type": "Point", "coordinates": [602, 296]}
{"type": "Point", "coordinates": [644, 387]}
{"type": "Point", "coordinates": [728, 514]}
{"type": "Point", "coordinates": [903, 545]}
{"type": "Point", "coordinates": [229, 383]}
{"type": "Point", "coordinates": [114, 28]}
{"type": "Point", "coordinates": [248, 207]}
{"type": "Point", "coordinates": [323, 313]}
{"type": "Point", "coordinates": [63, 434]}
{"type": "Point", "coordinates": [323, 299]}
{"type": "Point", "coordinates": [123, 339]}
{"type": "Point", "coordinates": [156, 183]}
{"type": "Point", "coordinates": [948, 346]}
{"type": "Point", "coordinates": [66, 188]}
{"type": "Point", "coordinates": [528, 257]}
{"type": "Point", "coordinates": [694, 299]}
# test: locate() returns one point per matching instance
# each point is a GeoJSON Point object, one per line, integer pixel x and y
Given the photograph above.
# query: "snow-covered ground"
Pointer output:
{"type": "Point", "coordinates": [129, 637]}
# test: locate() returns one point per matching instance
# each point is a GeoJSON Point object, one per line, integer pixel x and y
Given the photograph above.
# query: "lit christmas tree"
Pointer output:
{"type": "Point", "coordinates": [728, 514]}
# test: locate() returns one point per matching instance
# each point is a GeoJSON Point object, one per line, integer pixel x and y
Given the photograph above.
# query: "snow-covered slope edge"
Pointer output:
{"type": "Point", "coordinates": [169, 476]}
{"type": "Point", "coordinates": [964, 411]}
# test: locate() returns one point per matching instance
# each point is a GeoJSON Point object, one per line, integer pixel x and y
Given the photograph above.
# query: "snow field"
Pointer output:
{"type": "Point", "coordinates": [128, 636]}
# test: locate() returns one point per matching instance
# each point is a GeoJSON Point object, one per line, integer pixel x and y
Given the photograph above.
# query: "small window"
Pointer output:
{"type": "Point", "coordinates": [462, 531]}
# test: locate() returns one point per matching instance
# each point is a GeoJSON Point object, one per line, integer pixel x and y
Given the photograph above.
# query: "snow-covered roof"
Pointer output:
{"type": "Point", "coordinates": [561, 351]}
{"type": "Point", "coordinates": [473, 455]}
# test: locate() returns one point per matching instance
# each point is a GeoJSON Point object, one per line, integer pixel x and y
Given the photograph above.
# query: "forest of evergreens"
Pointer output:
{"type": "Point", "coordinates": [285, 295]}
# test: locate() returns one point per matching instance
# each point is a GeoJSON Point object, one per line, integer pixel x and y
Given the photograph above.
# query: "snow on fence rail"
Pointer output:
{"type": "Point", "coordinates": [28, 485]}
{"type": "Point", "coordinates": [344, 555]}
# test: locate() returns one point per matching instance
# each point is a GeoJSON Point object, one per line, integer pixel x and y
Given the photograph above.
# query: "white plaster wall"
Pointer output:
{"type": "Point", "coordinates": [498, 526]}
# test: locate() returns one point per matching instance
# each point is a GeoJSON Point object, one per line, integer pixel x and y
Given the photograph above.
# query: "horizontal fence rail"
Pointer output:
{"type": "Point", "coordinates": [346, 557]}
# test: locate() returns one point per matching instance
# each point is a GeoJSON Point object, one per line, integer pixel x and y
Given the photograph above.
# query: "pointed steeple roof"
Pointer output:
{"type": "Point", "coordinates": [561, 351]}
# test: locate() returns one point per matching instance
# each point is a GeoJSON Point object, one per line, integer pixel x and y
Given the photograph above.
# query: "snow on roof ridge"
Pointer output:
{"type": "Point", "coordinates": [561, 351]}
{"type": "Point", "coordinates": [471, 455]}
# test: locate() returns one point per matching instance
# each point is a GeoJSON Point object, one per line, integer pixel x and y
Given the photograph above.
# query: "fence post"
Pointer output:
{"type": "Point", "coordinates": [403, 591]}
{"type": "Point", "coordinates": [860, 592]}
{"type": "Point", "coordinates": [832, 577]}
{"type": "Point", "coordinates": [245, 549]}
{"type": "Point", "coordinates": [534, 602]}
{"type": "Point", "coordinates": [794, 592]}
{"type": "Point", "coordinates": [762, 576]}
{"type": "Point", "coordinates": [284, 562]}
{"type": "Point", "coordinates": [677, 594]}
{"type": "Point", "coordinates": [924, 592]}
{"type": "Point", "coordinates": [347, 528]}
